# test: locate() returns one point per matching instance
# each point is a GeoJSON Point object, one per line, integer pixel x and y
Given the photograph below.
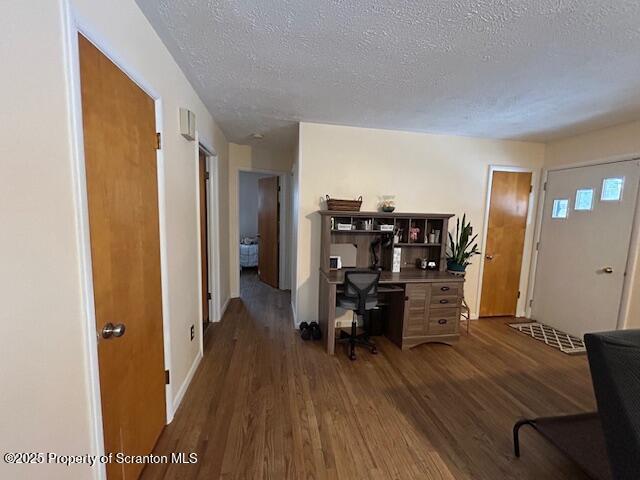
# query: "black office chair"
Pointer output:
{"type": "Point", "coordinates": [360, 295]}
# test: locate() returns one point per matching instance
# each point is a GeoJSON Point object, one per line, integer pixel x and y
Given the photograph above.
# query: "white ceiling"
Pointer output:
{"type": "Point", "coordinates": [536, 70]}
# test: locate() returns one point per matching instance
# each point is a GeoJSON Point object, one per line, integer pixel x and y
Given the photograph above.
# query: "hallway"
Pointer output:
{"type": "Point", "coordinates": [265, 404]}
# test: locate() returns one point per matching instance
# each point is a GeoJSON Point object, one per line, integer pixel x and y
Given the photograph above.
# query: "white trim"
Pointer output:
{"type": "Point", "coordinates": [293, 313]}
{"type": "Point", "coordinates": [223, 309]}
{"type": "Point", "coordinates": [214, 225]}
{"type": "Point", "coordinates": [213, 230]}
{"type": "Point", "coordinates": [521, 307]}
{"type": "Point", "coordinates": [633, 257]}
{"type": "Point", "coordinates": [199, 328]}
{"type": "Point", "coordinates": [187, 381]}
{"type": "Point", "coordinates": [72, 26]}
{"type": "Point", "coordinates": [164, 263]}
{"type": "Point", "coordinates": [633, 263]}
{"type": "Point", "coordinates": [72, 71]}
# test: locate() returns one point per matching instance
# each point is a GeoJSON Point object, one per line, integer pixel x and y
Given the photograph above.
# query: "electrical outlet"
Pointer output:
{"type": "Point", "coordinates": [193, 332]}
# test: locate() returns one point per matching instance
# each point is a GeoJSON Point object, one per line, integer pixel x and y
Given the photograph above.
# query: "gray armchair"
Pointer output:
{"type": "Point", "coordinates": [606, 443]}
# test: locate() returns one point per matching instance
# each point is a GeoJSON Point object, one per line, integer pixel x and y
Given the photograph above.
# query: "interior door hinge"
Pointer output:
{"type": "Point", "coordinates": [208, 296]}
{"type": "Point", "coordinates": [518, 293]}
{"type": "Point", "coordinates": [537, 246]}
{"type": "Point", "coordinates": [544, 187]}
{"type": "Point", "coordinates": [167, 377]}
{"type": "Point", "coordinates": [206, 175]}
{"type": "Point", "coordinates": [530, 188]}
{"type": "Point", "coordinates": [531, 302]}
{"type": "Point", "coordinates": [158, 141]}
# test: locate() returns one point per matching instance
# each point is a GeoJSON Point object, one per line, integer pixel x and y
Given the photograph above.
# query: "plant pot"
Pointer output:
{"type": "Point", "coordinates": [456, 268]}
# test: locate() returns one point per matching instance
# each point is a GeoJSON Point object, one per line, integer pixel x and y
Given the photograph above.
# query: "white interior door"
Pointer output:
{"type": "Point", "coordinates": [586, 230]}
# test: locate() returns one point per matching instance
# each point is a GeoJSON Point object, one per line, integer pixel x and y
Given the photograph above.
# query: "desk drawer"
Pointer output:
{"type": "Point", "coordinates": [447, 289]}
{"type": "Point", "coordinates": [445, 301]}
{"type": "Point", "coordinates": [443, 321]}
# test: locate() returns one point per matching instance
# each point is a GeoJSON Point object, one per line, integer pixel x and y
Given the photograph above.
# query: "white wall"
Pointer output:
{"type": "Point", "coordinates": [295, 226]}
{"type": "Point", "coordinates": [247, 159]}
{"type": "Point", "coordinates": [284, 281]}
{"type": "Point", "coordinates": [426, 173]}
{"type": "Point", "coordinates": [45, 404]}
{"type": "Point", "coordinates": [621, 142]}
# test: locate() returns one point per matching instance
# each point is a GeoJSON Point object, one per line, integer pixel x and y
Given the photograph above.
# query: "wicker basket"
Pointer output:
{"type": "Point", "coordinates": [344, 205]}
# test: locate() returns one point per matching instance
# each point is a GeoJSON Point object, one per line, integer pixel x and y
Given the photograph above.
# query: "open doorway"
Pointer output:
{"type": "Point", "coordinates": [259, 229]}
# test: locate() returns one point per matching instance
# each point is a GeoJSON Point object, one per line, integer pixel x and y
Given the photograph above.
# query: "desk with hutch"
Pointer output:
{"type": "Point", "coordinates": [423, 305]}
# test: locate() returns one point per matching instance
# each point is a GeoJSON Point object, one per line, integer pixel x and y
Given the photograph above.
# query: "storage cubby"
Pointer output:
{"type": "Point", "coordinates": [402, 227]}
{"type": "Point", "coordinates": [336, 222]}
{"type": "Point", "coordinates": [363, 224]}
{"type": "Point", "coordinates": [417, 230]}
{"type": "Point", "coordinates": [435, 227]}
{"type": "Point", "coordinates": [382, 242]}
{"type": "Point", "coordinates": [379, 222]}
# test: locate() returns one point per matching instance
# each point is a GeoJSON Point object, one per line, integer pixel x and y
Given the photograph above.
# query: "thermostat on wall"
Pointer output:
{"type": "Point", "coordinates": [188, 124]}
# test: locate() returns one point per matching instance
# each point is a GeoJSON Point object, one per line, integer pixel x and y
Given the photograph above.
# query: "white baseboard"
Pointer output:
{"type": "Point", "coordinates": [293, 315]}
{"type": "Point", "coordinates": [223, 309]}
{"type": "Point", "coordinates": [185, 385]}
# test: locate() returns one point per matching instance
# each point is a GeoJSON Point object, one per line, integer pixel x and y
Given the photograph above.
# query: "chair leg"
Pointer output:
{"type": "Point", "coordinates": [516, 430]}
{"type": "Point", "coordinates": [352, 340]}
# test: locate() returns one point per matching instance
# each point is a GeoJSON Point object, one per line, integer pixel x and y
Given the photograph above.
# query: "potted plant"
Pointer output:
{"type": "Point", "coordinates": [462, 248]}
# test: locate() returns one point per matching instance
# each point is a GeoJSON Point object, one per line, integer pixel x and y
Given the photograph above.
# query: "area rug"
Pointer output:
{"type": "Point", "coordinates": [554, 338]}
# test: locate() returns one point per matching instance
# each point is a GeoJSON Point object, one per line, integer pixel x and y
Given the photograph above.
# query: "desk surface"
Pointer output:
{"type": "Point", "coordinates": [410, 275]}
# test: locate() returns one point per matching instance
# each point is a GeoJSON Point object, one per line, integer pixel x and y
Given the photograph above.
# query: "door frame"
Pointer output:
{"type": "Point", "coordinates": [633, 258]}
{"type": "Point", "coordinates": [521, 307]}
{"type": "Point", "coordinates": [72, 26]}
{"type": "Point", "coordinates": [213, 231]}
{"type": "Point", "coordinates": [283, 232]}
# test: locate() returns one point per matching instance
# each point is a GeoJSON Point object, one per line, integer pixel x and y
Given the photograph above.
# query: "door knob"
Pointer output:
{"type": "Point", "coordinates": [111, 330]}
{"type": "Point", "coordinates": [489, 257]}
{"type": "Point", "coordinates": [607, 270]}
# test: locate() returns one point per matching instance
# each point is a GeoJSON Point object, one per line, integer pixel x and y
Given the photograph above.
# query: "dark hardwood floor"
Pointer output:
{"type": "Point", "coordinates": [266, 404]}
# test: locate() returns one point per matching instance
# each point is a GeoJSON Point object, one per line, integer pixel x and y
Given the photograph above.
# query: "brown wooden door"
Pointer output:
{"type": "Point", "coordinates": [120, 156]}
{"type": "Point", "coordinates": [508, 209]}
{"type": "Point", "coordinates": [204, 236]}
{"type": "Point", "coordinates": [268, 229]}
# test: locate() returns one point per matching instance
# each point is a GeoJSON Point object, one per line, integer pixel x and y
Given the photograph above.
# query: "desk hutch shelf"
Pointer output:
{"type": "Point", "coordinates": [423, 305]}
{"type": "Point", "coordinates": [410, 233]}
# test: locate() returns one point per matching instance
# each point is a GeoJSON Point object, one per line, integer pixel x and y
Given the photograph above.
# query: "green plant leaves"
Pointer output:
{"type": "Point", "coordinates": [464, 246]}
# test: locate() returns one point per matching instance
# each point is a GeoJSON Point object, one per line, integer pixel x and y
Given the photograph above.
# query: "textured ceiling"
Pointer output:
{"type": "Point", "coordinates": [535, 70]}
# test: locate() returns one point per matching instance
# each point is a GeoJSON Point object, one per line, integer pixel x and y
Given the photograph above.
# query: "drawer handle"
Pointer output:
{"type": "Point", "coordinates": [444, 301]}
{"type": "Point", "coordinates": [442, 321]}
{"type": "Point", "coordinates": [445, 289]}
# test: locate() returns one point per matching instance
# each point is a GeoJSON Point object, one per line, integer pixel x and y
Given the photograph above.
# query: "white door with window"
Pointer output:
{"type": "Point", "coordinates": [584, 244]}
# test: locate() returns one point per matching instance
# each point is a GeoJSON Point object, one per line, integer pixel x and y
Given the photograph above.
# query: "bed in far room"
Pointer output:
{"type": "Point", "coordinates": [248, 252]}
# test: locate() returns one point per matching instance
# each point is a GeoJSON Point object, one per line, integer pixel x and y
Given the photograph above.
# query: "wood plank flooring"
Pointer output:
{"type": "Point", "coordinates": [266, 404]}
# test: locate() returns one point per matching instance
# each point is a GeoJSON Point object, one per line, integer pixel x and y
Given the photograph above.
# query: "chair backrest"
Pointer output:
{"type": "Point", "coordinates": [614, 360]}
{"type": "Point", "coordinates": [360, 284]}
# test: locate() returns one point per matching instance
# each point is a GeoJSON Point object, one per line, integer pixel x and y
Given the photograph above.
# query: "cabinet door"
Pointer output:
{"type": "Point", "coordinates": [416, 309]}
